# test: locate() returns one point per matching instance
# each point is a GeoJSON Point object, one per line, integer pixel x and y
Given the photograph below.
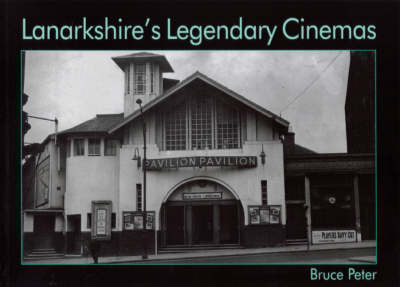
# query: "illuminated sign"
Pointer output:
{"type": "Point", "coordinates": [200, 161]}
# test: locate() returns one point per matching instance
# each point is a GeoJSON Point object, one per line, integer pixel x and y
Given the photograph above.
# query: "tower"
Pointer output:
{"type": "Point", "coordinates": [143, 77]}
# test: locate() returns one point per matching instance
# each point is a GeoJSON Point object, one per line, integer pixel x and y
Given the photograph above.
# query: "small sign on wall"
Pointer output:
{"type": "Point", "coordinates": [333, 236]}
{"type": "Point", "coordinates": [101, 220]}
{"type": "Point", "coordinates": [202, 196]}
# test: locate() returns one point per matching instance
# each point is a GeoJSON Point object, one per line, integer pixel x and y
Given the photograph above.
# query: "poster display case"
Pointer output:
{"type": "Point", "coordinates": [264, 214]}
{"type": "Point", "coordinates": [101, 220]}
{"type": "Point", "coordinates": [134, 220]}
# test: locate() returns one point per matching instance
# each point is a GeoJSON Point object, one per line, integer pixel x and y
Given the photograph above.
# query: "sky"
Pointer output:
{"type": "Point", "coordinates": [74, 86]}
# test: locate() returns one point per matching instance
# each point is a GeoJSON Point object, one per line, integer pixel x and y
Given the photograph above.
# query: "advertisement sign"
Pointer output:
{"type": "Point", "coordinates": [150, 220]}
{"type": "Point", "coordinates": [128, 221]}
{"type": "Point", "coordinates": [101, 220]}
{"type": "Point", "coordinates": [333, 236]}
{"type": "Point", "coordinates": [42, 182]}
{"type": "Point", "coordinates": [138, 221]}
{"type": "Point", "coordinates": [254, 214]}
{"type": "Point", "coordinates": [275, 214]}
{"type": "Point", "coordinates": [264, 215]}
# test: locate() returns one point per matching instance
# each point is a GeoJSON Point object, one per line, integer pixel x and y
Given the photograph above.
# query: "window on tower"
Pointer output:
{"type": "Point", "coordinates": [151, 78]}
{"type": "Point", "coordinates": [127, 79]}
{"type": "Point", "coordinates": [140, 78]}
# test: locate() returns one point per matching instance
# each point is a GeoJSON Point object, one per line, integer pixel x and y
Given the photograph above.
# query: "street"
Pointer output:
{"type": "Point", "coordinates": [340, 256]}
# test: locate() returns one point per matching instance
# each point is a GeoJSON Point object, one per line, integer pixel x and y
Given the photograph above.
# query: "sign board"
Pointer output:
{"type": "Point", "coordinates": [200, 161]}
{"type": "Point", "coordinates": [333, 236]}
{"type": "Point", "coordinates": [200, 196]}
{"type": "Point", "coordinates": [101, 220]}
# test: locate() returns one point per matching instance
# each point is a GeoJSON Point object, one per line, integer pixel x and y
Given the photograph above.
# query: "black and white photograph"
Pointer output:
{"type": "Point", "coordinates": [198, 157]}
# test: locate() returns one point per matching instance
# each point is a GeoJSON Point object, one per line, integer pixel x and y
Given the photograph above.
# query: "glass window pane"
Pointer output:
{"type": "Point", "coordinates": [94, 146]}
{"type": "Point", "coordinates": [110, 147]}
{"type": "Point", "coordinates": [175, 129]}
{"type": "Point", "coordinates": [140, 78]}
{"type": "Point", "coordinates": [227, 127]}
{"type": "Point", "coordinates": [79, 147]}
{"type": "Point", "coordinates": [201, 117]}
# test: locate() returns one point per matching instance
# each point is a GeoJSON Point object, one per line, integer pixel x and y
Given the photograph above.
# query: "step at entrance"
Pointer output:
{"type": "Point", "coordinates": [197, 248]}
{"type": "Point", "coordinates": [302, 241]}
{"type": "Point", "coordinates": [39, 254]}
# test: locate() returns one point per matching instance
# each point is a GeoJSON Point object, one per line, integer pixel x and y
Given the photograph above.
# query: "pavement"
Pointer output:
{"type": "Point", "coordinates": [175, 257]}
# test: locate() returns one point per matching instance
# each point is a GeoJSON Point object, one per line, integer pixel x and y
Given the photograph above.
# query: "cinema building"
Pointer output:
{"type": "Point", "coordinates": [215, 171]}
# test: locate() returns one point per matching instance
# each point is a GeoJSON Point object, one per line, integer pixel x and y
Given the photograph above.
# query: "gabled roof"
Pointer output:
{"type": "Point", "coordinates": [185, 82]}
{"type": "Point", "coordinates": [99, 124]}
{"type": "Point", "coordinates": [165, 66]}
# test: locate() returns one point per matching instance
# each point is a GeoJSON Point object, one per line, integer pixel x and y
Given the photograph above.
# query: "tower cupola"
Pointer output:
{"type": "Point", "coordinates": [143, 77]}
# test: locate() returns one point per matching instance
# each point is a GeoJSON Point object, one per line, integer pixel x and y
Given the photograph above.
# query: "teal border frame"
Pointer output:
{"type": "Point", "coordinates": [148, 263]}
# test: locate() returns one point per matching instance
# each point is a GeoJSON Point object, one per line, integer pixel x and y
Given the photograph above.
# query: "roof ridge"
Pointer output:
{"type": "Point", "coordinates": [108, 115]}
{"type": "Point", "coordinates": [210, 81]}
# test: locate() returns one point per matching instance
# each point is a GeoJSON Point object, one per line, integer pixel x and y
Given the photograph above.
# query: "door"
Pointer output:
{"type": "Point", "coordinates": [43, 228]}
{"type": "Point", "coordinates": [229, 232]}
{"type": "Point", "coordinates": [296, 226]}
{"type": "Point", "coordinates": [74, 234]}
{"type": "Point", "coordinates": [175, 218]}
{"type": "Point", "coordinates": [202, 224]}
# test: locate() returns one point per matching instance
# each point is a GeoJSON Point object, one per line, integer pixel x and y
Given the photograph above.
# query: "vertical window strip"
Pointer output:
{"type": "Point", "coordinates": [140, 78]}
{"type": "Point", "coordinates": [264, 194]}
{"type": "Point", "coordinates": [175, 129]}
{"type": "Point", "coordinates": [68, 148]}
{"type": "Point", "coordinates": [228, 126]}
{"type": "Point", "coordinates": [151, 77]}
{"type": "Point", "coordinates": [139, 197]}
{"type": "Point", "coordinates": [89, 220]}
{"type": "Point", "coordinates": [201, 125]}
{"type": "Point", "coordinates": [128, 84]}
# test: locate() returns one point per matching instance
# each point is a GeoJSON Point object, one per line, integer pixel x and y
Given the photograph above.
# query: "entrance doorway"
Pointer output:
{"type": "Point", "coordinates": [201, 213]}
{"type": "Point", "coordinates": [296, 225]}
{"type": "Point", "coordinates": [229, 229]}
{"type": "Point", "coordinates": [175, 224]}
{"type": "Point", "coordinates": [43, 228]}
{"type": "Point", "coordinates": [74, 234]}
{"type": "Point", "coordinates": [202, 224]}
